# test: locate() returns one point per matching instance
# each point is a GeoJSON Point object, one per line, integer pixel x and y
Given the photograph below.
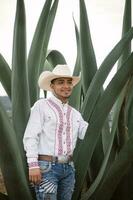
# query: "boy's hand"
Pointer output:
{"type": "Point", "coordinates": [35, 175]}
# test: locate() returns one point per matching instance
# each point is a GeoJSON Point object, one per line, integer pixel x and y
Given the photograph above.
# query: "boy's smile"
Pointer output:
{"type": "Point", "coordinates": [62, 88]}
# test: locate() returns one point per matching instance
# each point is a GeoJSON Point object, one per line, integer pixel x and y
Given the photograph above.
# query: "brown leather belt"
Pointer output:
{"type": "Point", "coordinates": [59, 159]}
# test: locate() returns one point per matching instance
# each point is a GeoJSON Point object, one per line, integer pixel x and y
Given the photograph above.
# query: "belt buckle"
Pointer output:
{"type": "Point", "coordinates": [63, 159]}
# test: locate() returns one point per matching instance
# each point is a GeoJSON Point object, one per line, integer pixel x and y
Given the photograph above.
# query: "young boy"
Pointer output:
{"type": "Point", "coordinates": [50, 137]}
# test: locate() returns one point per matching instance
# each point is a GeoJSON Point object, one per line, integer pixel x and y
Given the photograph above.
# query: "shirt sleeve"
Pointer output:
{"type": "Point", "coordinates": [83, 125]}
{"type": "Point", "coordinates": [31, 135]}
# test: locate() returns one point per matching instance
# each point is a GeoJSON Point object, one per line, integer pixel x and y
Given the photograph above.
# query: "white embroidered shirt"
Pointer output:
{"type": "Point", "coordinates": [52, 129]}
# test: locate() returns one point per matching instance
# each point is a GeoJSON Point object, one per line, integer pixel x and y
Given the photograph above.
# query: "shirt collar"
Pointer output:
{"type": "Point", "coordinates": [58, 101]}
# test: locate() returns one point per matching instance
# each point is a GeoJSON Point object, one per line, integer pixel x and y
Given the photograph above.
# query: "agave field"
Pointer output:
{"type": "Point", "coordinates": [104, 159]}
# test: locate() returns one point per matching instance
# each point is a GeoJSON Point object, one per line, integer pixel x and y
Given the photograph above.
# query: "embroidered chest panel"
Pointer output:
{"type": "Point", "coordinates": [63, 133]}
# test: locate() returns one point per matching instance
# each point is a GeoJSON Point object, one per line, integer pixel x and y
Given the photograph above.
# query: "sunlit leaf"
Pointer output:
{"type": "Point", "coordinates": [5, 75]}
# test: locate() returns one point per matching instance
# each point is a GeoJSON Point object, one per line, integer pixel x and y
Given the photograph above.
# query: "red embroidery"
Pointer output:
{"type": "Point", "coordinates": [33, 164]}
{"type": "Point", "coordinates": [68, 130]}
{"type": "Point", "coordinates": [59, 130]}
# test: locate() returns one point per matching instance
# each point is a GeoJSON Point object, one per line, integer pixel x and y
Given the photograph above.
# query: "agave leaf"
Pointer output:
{"type": "Point", "coordinates": [47, 66]}
{"type": "Point", "coordinates": [35, 52]}
{"type": "Point", "coordinates": [122, 133]}
{"type": "Point", "coordinates": [100, 149]}
{"type": "Point", "coordinates": [93, 92]}
{"type": "Point", "coordinates": [129, 98]}
{"type": "Point", "coordinates": [5, 75]}
{"type": "Point", "coordinates": [126, 27]}
{"type": "Point", "coordinates": [11, 162]}
{"type": "Point", "coordinates": [96, 160]}
{"type": "Point", "coordinates": [97, 120]}
{"type": "Point", "coordinates": [77, 67]}
{"type": "Point", "coordinates": [49, 26]}
{"type": "Point", "coordinates": [121, 121]}
{"type": "Point", "coordinates": [75, 98]}
{"type": "Point", "coordinates": [119, 108]}
{"type": "Point", "coordinates": [106, 134]}
{"type": "Point", "coordinates": [54, 57]}
{"type": "Point", "coordinates": [93, 188]}
{"type": "Point", "coordinates": [86, 57]}
{"type": "Point", "coordinates": [116, 172]}
{"type": "Point", "coordinates": [38, 50]}
{"type": "Point", "coordinates": [20, 89]}
{"type": "Point", "coordinates": [88, 60]}
{"type": "Point", "coordinates": [129, 107]}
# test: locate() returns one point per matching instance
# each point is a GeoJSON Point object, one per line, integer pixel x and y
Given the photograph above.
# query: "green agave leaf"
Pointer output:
{"type": "Point", "coordinates": [75, 101]}
{"type": "Point", "coordinates": [35, 52]}
{"type": "Point", "coordinates": [75, 98]}
{"type": "Point", "coordinates": [96, 160]}
{"type": "Point", "coordinates": [93, 91]}
{"type": "Point", "coordinates": [100, 149]}
{"type": "Point", "coordinates": [106, 134]}
{"type": "Point", "coordinates": [122, 133]}
{"type": "Point", "coordinates": [20, 89]}
{"type": "Point", "coordinates": [88, 60]}
{"type": "Point", "coordinates": [47, 66]}
{"type": "Point", "coordinates": [11, 162]}
{"type": "Point", "coordinates": [99, 152]}
{"type": "Point", "coordinates": [126, 27]}
{"type": "Point", "coordinates": [5, 75]}
{"type": "Point", "coordinates": [49, 26]}
{"type": "Point", "coordinates": [118, 113]}
{"type": "Point", "coordinates": [77, 67]}
{"type": "Point", "coordinates": [37, 42]}
{"type": "Point", "coordinates": [97, 120]}
{"type": "Point", "coordinates": [116, 172]}
{"type": "Point", "coordinates": [129, 98]}
{"type": "Point", "coordinates": [38, 50]}
{"type": "Point", "coordinates": [121, 120]}
{"type": "Point", "coordinates": [54, 57]}
{"type": "Point", "coordinates": [129, 107]}
{"type": "Point", "coordinates": [93, 188]}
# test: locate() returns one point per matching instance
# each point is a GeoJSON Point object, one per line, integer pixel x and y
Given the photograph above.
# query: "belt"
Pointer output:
{"type": "Point", "coordinates": [57, 159]}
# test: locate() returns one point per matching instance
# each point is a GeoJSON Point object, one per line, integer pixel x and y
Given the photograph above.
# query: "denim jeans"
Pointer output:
{"type": "Point", "coordinates": [57, 181]}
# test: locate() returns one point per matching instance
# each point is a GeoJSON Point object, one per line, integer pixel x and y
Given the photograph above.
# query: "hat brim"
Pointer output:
{"type": "Point", "coordinates": [44, 81]}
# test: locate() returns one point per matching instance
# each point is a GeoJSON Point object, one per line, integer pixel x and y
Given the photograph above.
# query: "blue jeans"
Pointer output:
{"type": "Point", "coordinates": [57, 181]}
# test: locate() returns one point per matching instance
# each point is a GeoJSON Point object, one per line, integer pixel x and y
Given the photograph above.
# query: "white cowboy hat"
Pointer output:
{"type": "Point", "coordinates": [46, 77]}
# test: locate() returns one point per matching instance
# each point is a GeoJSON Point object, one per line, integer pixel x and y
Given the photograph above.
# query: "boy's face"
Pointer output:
{"type": "Point", "coordinates": [62, 87]}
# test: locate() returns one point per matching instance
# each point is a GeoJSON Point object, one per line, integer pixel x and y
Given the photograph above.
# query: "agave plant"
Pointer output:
{"type": "Point", "coordinates": [18, 82]}
{"type": "Point", "coordinates": [103, 160]}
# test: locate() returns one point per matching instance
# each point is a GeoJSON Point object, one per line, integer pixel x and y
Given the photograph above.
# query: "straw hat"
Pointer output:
{"type": "Point", "coordinates": [59, 71]}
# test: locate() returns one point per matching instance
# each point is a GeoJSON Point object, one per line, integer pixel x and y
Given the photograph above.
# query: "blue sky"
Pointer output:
{"type": "Point", "coordinates": [105, 19]}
